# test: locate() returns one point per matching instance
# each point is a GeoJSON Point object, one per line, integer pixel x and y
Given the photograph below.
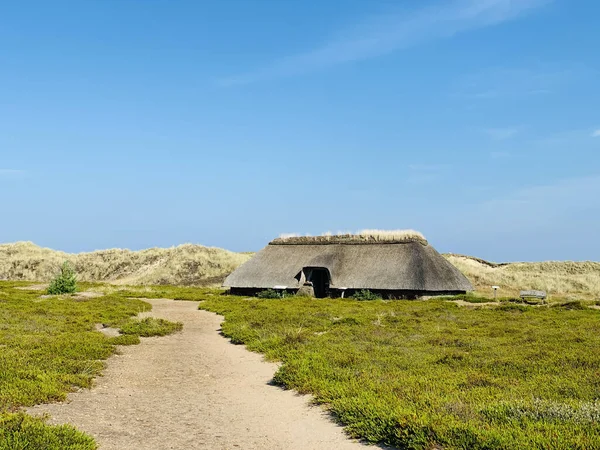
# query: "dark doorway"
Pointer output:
{"type": "Point", "coordinates": [319, 277]}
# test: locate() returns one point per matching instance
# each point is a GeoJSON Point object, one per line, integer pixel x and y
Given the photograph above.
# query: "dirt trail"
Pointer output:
{"type": "Point", "coordinates": [194, 390]}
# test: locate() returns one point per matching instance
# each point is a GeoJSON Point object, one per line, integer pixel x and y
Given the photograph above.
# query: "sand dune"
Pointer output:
{"type": "Point", "coordinates": [558, 278]}
{"type": "Point", "coordinates": [186, 264]}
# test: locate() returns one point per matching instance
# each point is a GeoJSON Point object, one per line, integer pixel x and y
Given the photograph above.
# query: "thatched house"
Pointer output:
{"type": "Point", "coordinates": [398, 264]}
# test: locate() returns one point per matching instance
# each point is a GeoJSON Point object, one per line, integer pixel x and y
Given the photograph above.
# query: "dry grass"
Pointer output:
{"type": "Point", "coordinates": [560, 279]}
{"type": "Point", "coordinates": [372, 236]}
{"type": "Point", "coordinates": [183, 265]}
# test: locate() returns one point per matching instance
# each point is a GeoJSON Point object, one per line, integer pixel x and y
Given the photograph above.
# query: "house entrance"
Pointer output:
{"type": "Point", "coordinates": [319, 277]}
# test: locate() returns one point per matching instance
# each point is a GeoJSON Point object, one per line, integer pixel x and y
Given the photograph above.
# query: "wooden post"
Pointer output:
{"type": "Point", "coordinates": [495, 288]}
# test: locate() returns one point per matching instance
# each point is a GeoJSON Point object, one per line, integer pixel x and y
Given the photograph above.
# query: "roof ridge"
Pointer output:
{"type": "Point", "coordinates": [348, 239]}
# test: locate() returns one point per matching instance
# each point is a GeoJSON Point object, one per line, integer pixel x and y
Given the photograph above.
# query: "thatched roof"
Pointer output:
{"type": "Point", "coordinates": [354, 262]}
{"type": "Point", "coordinates": [362, 237]}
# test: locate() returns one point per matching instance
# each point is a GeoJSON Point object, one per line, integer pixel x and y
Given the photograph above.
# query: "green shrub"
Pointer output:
{"type": "Point", "coordinates": [271, 293]}
{"type": "Point", "coordinates": [365, 294]}
{"type": "Point", "coordinates": [150, 326]}
{"type": "Point", "coordinates": [65, 282]}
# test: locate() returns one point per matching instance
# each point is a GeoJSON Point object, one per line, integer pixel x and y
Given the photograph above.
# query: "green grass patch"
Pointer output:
{"type": "Point", "coordinates": [573, 305]}
{"type": "Point", "coordinates": [471, 298]}
{"type": "Point", "coordinates": [22, 432]}
{"type": "Point", "coordinates": [150, 326]}
{"type": "Point", "coordinates": [171, 292]}
{"type": "Point", "coordinates": [420, 374]}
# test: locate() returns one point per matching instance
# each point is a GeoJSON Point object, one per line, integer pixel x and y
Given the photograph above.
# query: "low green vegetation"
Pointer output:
{"type": "Point", "coordinates": [431, 374]}
{"type": "Point", "coordinates": [571, 305]}
{"type": "Point", "coordinates": [365, 294]}
{"type": "Point", "coordinates": [171, 292]}
{"type": "Point", "coordinates": [410, 374]}
{"type": "Point", "coordinates": [65, 282]}
{"type": "Point", "coordinates": [470, 298]}
{"type": "Point", "coordinates": [49, 347]}
{"type": "Point", "coordinates": [272, 293]}
{"type": "Point", "coordinates": [22, 432]}
{"type": "Point", "coordinates": [150, 326]}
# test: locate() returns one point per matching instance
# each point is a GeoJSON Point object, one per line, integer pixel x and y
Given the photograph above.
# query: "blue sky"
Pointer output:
{"type": "Point", "coordinates": [154, 123]}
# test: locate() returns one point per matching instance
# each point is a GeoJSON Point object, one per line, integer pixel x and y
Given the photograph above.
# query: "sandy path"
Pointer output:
{"type": "Point", "coordinates": [194, 390]}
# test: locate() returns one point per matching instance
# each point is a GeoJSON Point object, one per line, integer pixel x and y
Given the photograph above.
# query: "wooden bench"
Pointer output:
{"type": "Point", "coordinates": [540, 295]}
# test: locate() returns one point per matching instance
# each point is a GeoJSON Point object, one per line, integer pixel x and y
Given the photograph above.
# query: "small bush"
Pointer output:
{"type": "Point", "coordinates": [65, 282]}
{"type": "Point", "coordinates": [365, 294]}
{"type": "Point", "coordinates": [271, 293]}
{"type": "Point", "coordinates": [150, 326]}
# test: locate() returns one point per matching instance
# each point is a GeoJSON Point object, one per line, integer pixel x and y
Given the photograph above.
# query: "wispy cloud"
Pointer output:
{"type": "Point", "coordinates": [501, 134]}
{"type": "Point", "coordinates": [501, 82]}
{"type": "Point", "coordinates": [426, 173]}
{"type": "Point", "coordinates": [596, 133]}
{"type": "Point", "coordinates": [552, 220]}
{"type": "Point", "coordinates": [11, 172]}
{"type": "Point", "coordinates": [577, 138]}
{"type": "Point", "coordinates": [386, 33]}
{"type": "Point", "coordinates": [427, 167]}
{"type": "Point", "coordinates": [536, 204]}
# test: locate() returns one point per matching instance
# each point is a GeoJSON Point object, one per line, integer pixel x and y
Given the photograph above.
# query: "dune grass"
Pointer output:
{"type": "Point", "coordinates": [560, 279]}
{"type": "Point", "coordinates": [48, 348]}
{"type": "Point", "coordinates": [430, 374]}
{"type": "Point", "coordinates": [186, 264]}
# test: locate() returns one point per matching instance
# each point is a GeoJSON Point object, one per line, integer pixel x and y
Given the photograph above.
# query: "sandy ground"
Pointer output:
{"type": "Point", "coordinates": [194, 390]}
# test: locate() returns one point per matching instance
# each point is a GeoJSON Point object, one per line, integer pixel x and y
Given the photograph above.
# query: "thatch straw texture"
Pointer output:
{"type": "Point", "coordinates": [361, 237]}
{"type": "Point", "coordinates": [353, 263]}
{"type": "Point", "coordinates": [186, 264]}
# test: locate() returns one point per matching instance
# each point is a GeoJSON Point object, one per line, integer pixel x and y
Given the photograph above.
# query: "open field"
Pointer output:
{"type": "Point", "coordinates": [430, 374]}
{"type": "Point", "coordinates": [49, 347]}
{"type": "Point", "coordinates": [411, 374]}
{"type": "Point", "coordinates": [183, 265]}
